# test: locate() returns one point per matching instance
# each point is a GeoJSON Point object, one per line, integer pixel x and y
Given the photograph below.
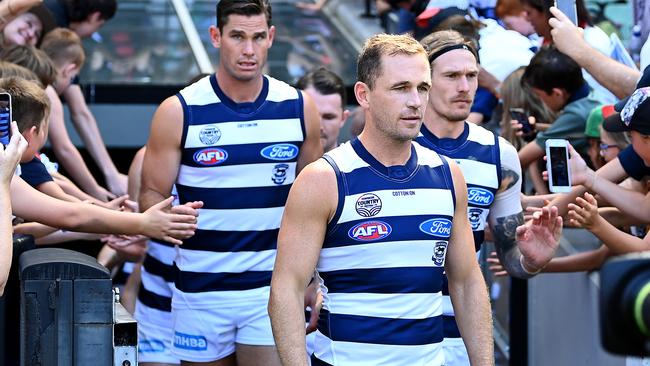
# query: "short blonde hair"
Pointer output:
{"type": "Point", "coordinates": [369, 61]}
{"type": "Point", "coordinates": [64, 46]}
{"type": "Point", "coordinates": [442, 39]}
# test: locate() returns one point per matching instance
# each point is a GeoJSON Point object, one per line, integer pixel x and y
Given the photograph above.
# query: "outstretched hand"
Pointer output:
{"type": "Point", "coordinates": [539, 238]}
{"type": "Point", "coordinates": [584, 214]}
{"type": "Point", "coordinates": [171, 226]}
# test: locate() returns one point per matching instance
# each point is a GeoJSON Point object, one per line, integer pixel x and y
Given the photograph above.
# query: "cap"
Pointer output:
{"type": "Point", "coordinates": [642, 83]}
{"type": "Point", "coordinates": [596, 118]}
{"type": "Point", "coordinates": [635, 115]}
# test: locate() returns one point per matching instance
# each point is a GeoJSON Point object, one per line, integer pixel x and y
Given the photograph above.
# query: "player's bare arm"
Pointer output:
{"type": "Point", "coordinates": [163, 154]}
{"type": "Point", "coordinates": [310, 205]}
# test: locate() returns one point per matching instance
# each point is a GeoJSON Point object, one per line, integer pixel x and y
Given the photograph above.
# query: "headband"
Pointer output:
{"type": "Point", "coordinates": [441, 52]}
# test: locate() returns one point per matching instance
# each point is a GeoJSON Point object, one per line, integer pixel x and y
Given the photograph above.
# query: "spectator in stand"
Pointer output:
{"type": "Point", "coordinates": [37, 61]}
{"type": "Point", "coordinates": [513, 16]}
{"type": "Point", "coordinates": [24, 20]}
{"type": "Point", "coordinates": [85, 17]}
{"type": "Point", "coordinates": [557, 80]}
{"type": "Point", "coordinates": [618, 78]}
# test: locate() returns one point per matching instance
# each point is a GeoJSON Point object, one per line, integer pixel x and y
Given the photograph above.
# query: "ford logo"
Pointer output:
{"type": "Point", "coordinates": [437, 227]}
{"type": "Point", "coordinates": [210, 156]}
{"type": "Point", "coordinates": [370, 230]}
{"type": "Point", "coordinates": [280, 152]}
{"type": "Point", "coordinates": [479, 196]}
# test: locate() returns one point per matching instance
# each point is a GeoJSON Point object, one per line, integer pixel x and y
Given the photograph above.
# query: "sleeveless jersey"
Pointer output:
{"type": "Point", "coordinates": [240, 160]}
{"type": "Point", "coordinates": [476, 151]}
{"type": "Point", "coordinates": [158, 272]}
{"type": "Point", "coordinates": [382, 260]}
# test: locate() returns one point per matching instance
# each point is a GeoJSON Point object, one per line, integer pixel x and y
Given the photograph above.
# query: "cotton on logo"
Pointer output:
{"type": "Point", "coordinates": [370, 230]}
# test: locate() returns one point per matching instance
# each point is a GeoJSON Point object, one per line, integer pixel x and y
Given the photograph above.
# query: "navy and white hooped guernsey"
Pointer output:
{"type": "Point", "coordinates": [382, 260]}
{"type": "Point", "coordinates": [240, 160]}
{"type": "Point", "coordinates": [476, 151]}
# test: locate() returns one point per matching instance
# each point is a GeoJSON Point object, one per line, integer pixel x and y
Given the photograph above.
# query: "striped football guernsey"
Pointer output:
{"type": "Point", "coordinates": [382, 260]}
{"type": "Point", "coordinates": [240, 160]}
{"type": "Point", "coordinates": [476, 151]}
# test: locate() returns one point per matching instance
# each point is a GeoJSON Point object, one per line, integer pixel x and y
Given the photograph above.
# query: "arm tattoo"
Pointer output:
{"type": "Point", "coordinates": [505, 241]}
{"type": "Point", "coordinates": [508, 179]}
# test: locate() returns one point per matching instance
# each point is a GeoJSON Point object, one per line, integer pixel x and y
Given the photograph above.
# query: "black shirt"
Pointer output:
{"type": "Point", "coordinates": [35, 173]}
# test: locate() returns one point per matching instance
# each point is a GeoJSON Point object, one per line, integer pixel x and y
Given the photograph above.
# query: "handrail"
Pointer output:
{"type": "Point", "coordinates": [200, 54]}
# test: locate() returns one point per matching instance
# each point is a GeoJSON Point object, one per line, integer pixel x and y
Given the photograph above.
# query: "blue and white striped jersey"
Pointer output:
{"type": "Point", "coordinates": [476, 151]}
{"type": "Point", "coordinates": [240, 160]}
{"type": "Point", "coordinates": [382, 260]}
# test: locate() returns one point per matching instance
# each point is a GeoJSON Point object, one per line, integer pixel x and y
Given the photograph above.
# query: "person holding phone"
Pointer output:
{"type": "Point", "coordinates": [557, 81]}
{"type": "Point", "coordinates": [491, 169]}
{"type": "Point", "coordinates": [9, 156]}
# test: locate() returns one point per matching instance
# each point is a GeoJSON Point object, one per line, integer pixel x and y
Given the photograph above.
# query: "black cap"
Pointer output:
{"type": "Point", "coordinates": [643, 82]}
{"type": "Point", "coordinates": [635, 115]}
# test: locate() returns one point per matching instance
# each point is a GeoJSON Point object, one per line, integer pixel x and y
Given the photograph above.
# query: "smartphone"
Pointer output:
{"type": "Point", "coordinates": [5, 118]}
{"type": "Point", "coordinates": [557, 165]}
{"type": "Point", "coordinates": [521, 116]}
{"type": "Point", "coordinates": [568, 7]}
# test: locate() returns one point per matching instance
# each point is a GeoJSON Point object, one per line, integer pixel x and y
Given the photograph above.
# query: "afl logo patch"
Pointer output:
{"type": "Point", "coordinates": [210, 156]}
{"type": "Point", "coordinates": [209, 135]}
{"type": "Point", "coordinates": [370, 231]}
{"type": "Point", "coordinates": [437, 227]}
{"type": "Point", "coordinates": [439, 253]}
{"type": "Point", "coordinates": [280, 152]}
{"type": "Point", "coordinates": [368, 205]}
{"type": "Point", "coordinates": [479, 196]}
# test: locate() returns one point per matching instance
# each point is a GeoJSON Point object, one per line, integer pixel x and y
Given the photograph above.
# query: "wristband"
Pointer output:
{"type": "Point", "coordinates": [521, 262]}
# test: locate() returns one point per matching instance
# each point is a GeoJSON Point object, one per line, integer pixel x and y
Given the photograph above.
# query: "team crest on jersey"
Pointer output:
{"type": "Point", "coordinates": [479, 196]}
{"type": "Point", "coordinates": [209, 135]}
{"type": "Point", "coordinates": [474, 215]}
{"type": "Point", "coordinates": [280, 152]}
{"type": "Point", "coordinates": [370, 231]}
{"type": "Point", "coordinates": [437, 227]}
{"type": "Point", "coordinates": [210, 156]}
{"type": "Point", "coordinates": [279, 173]}
{"type": "Point", "coordinates": [368, 205]}
{"type": "Point", "coordinates": [439, 253]}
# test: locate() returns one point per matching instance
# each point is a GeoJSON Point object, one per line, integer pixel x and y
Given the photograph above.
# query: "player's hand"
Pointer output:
{"type": "Point", "coordinates": [584, 213]}
{"type": "Point", "coordinates": [539, 238]}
